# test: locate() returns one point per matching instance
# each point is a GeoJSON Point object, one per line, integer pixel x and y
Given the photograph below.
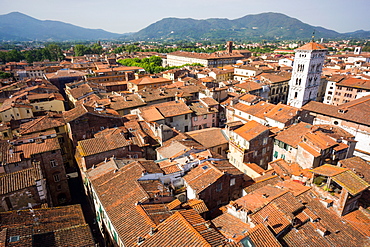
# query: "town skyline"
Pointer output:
{"type": "Point", "coordinates": [329, 14]}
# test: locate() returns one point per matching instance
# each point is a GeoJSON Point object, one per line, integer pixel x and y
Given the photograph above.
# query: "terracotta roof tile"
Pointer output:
{"type": "Point", "coordinates": [351, 182]}
{"type": "Point", "coordinates": [43, 123]}
{"type": "Point", "coordinates": [357, 110]}
{"type": "Point", "coordinates": [198, 205]}
{"type": "Point", "coordinates": [360, 220]}
{"type": "Point", "coordinates": [18, 180]}
{"type": "Point", "coordinates": [269, 179]}
{"type": "Point", "coordinates": [328, 170]}
{"type": "Point", "coordinates": [282, 113]}
{"type": "Point", "coordinates": [126, 219]}
{"type": "Point", "coordinates": [261, 236]}
{"type": "Point", "coordinates": [259, 198]}
{"type": "Point", "coordinates": [359, 166]}
{"type": "Point", "coordinates": [101, 144]}
{"type": "Point", "coordinates": [63, 221]}
{"type": "Point", "coordinates": [232, 227]}
{"type": "Point", "coordinates": [202, 136]}
{"type": "Point", "coordinates": [43, 146]}
{"type": "Point", "coordinates": [202, 176]}
{"type": "Point", "coordinates": [251, 130]}
{"type": "Point", "coordinates": [185, 228]}
{"type": "Point", "coordinates": [293, 134]}
{"type": "Point", "coordinates": [311, 46]}
{"type": "Point", "coordinates": [272, 216]}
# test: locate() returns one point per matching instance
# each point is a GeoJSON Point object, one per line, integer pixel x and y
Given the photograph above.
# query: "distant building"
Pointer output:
{"type": "Point", "coordinates": [216, 59]}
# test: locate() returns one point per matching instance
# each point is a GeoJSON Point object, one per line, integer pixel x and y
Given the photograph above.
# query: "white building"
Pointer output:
{"type": "Point", "coordinates": [306, 75]}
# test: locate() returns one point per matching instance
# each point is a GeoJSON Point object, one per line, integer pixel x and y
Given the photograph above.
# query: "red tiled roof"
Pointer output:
{"type": "Point", "coordinates": [101, 144]}
{"type": "Point", "coordinates": [311, 46]}
{"type": "Point", "coordinates": [202, 136]}
{"type": "Point", "coordinates": [359, 220]}
{"type": "Point", "coordinates": [251, 130]}
{"type": "Point", "coordinates": [42, 123]}
{"type": "Point", "coordinates": [357, 111]}
{"type": "Point", "coordinates": [261, 236]}
{"type": "Point", "coordinates": [18, 180]}
{"type": "Point", "coordinates": [293, 134]}
{"type": "Point", "coordinates": [232, 227]}
{"type": "Point", "coordinates": [46, 145]}
{"type": "Point", "coordinates": [185, 228]}
{"type": "Point", "coordinates": [62, 226]}
{"type": "Point", "coordinates": [126, 219]}
{"type": "Point", "coordinates": [202, 177]}
{"type": "Point", "coordinates": [149, 80]}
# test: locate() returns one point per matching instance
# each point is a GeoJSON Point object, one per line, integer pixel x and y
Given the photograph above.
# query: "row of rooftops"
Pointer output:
{"type": "Point", "coordinates": [210, 170]}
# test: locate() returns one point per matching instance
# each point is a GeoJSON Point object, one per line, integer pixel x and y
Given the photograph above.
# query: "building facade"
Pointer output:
{"type": "Point", "coordinates": [306, 75]}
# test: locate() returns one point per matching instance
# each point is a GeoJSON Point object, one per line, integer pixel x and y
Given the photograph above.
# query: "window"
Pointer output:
{"type": "Point", "coordinates": [232, 181]}
{"type": "Point", "coordinates": [263, 151]}
{"type": "Point", "coordinates": [195, 118]}
{"type": "Point", "coordinates": [171, 119]}
{"type": "Point", "coordinates": [283, 156]}
{"type": "Point", "coordinates": [205, 116]}
{"type": "Point", "coordinates": [219, 187]}
{"type": "Point", "coordinates": [53, 163]}
{"type": "Point", "coordinates": [186, 116]}
{"type": "Point", "coordinates": [255, 153]}
{"type": "Point", "coordinates": [264, 142]}
{"type": "Point", "coordinates": [56, 177]}
{"type": "Point", "coordinates": [276, 154]}
{"type": "Point", "coordinates": [186, 128]}
{"type": "Point", "coordinates": [295, 94]}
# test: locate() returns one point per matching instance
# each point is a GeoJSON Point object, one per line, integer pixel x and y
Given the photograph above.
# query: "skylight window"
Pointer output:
{"type": "Point", "coordinates": [13, 239]}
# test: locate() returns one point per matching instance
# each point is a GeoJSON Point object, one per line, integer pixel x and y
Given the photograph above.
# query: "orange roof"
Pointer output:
{"type": "Point", "coordinates": [185, 228]}
{"type": "Point", "coordinates": [328, 170]}
{"type": "Point", "coordinates": [311, 46]}
{"type": "Point", "coordinates": [359, 220]}
{"type": "Point", "coordinates": [262, 236]}
{"type": "Point", "coordinates": [202, 176]}
{"type": "Point", "coordinates": [251, 130]}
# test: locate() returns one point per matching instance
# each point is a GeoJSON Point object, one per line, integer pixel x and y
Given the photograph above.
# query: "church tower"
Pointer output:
{"type": "Point", "coordinates": [306, 75]}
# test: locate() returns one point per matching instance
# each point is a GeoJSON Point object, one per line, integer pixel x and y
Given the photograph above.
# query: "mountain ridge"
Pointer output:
{"type": "Point", "coordinates": [20, 27]}
{"type": "Point", "coordinates": [267, 25]}
{"type": "Point", "coordinates": [17, 26]}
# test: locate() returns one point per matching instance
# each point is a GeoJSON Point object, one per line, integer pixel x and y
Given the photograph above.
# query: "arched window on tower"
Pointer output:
{"type": "Point", "coordinates": [295, 94]}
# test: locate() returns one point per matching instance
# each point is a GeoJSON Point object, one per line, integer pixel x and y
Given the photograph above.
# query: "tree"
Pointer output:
{"type": "Point", "coordinates": [5, 75]}
{"type": "Point", "coordinates": [55, 53]}
{"type": "Point", "coordinates": [80, 50]}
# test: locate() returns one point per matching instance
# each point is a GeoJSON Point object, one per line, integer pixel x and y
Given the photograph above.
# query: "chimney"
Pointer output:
{"type": "Point", "coordinates": [229, 46]}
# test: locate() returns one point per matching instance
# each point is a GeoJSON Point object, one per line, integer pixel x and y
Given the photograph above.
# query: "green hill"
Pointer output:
{"type": "Point", "coordinates": [269, 26]}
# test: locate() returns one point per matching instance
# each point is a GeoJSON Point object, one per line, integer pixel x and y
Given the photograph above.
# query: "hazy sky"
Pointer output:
{"type": "Point", "coordinates": [121, 16]}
